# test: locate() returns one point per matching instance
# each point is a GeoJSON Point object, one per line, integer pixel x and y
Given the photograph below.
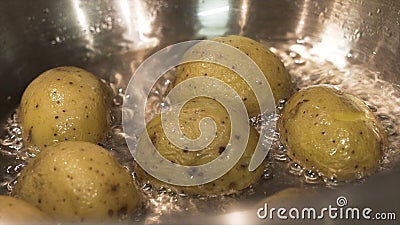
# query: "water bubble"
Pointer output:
{"type": "Point", "coordinates": [295, 169]}
{"type": "Point", "coordinates": [300, 62]}
{"type": "Point", "coordinates": [378, 11]}
{"type": "Point", "coordinates": [311, 177]}
{"type": "Point", "coordinates": [369, 13]}
{"type": "Point", "coordinates": [267, 175]}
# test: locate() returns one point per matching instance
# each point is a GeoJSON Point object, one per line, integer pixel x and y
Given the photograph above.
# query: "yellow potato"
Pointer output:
{"type": "Point", "coordinates": [78, 181]}
{"type": "Point", "coordinates": [193, 111]}
{"type": "Point", "coordinates": [273, 69]}
{"type": "Point", "coordinates": [332, 132]}
{"type": "Point", "coordinates": [16, 211]}
{"type": "Point", "coordinates": [64, 103]}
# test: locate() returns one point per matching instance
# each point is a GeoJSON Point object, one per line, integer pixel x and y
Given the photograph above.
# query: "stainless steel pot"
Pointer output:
{"type": "Point", "coordinates": [112, 38]}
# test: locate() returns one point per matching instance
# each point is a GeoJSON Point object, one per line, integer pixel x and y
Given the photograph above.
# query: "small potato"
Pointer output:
{"type": "Point", "coordinates": [16, 211]}
{"type": "Point", "coordinates": [331, 132]}
{"type": "Point", "coordinates": [75, 181]}
{"type": "Point", "coordinates": [273, 69]}
{"type": "Point", "coordinates": [238, 178]}
{"type": "Point", "coordinates": [64, 103]}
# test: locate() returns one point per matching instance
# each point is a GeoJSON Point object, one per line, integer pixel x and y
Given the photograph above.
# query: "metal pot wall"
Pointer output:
{"type": "Point", "coordinates": [112, 38]}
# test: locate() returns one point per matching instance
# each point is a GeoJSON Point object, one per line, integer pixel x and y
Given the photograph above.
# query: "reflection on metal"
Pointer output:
{"type": "Point", "coordinates": [244, 6]}
{"type": "Point", "coordinates": [334, 47]}
{"type": "Point", "coordinates": [302, 17]}
{"type": "Point", "coordinates": [213, 17]}
{"type": "Point", "coordinates": [138, 24]}
{"type": "Point", "coordinates": [83, 23]}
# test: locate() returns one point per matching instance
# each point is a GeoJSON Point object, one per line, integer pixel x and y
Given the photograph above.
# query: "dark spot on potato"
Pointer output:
{"type": "Point", "coordinates": [56, 117]}
{"type": "Point", "coordinates": [205, 74]}
{"type": "Point", "coordinates": [244, 99]}
{"type": "Point", "coordinates": [323, 132]}
{"type": "Point", "coordinates": [55, 134]}
{"type": "Point", "coordinates": [114, 188]}
{"type": "Point", "coordinates": [55, 169]}
{"type": "Point", "coordinates": [40, 201]}
{"type": "Point", "coordinates": [110, 213]}
{"type": "Point", "coordinates": [356, 166]}
{"type": "Point", "coordinates": [333, 141]}
{"type": "Point", "coordinates": [63, 110]}
{"type": "Point", "coordinates": [352, 152]}
{"type": "Point", "coordinates": [361, 132]}
{"type": "Point", "coordinates": [58, 102]}
{"type": "Point", "coordinates": [221, 149]}
{"type": "Point", "coordinates": [37, 106]}
{"type": "Point", "coordinates": [90, 168]}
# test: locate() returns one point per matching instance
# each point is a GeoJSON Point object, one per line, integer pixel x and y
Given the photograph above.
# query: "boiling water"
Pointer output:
{"type": "Point", "coordinates": [307, 67]}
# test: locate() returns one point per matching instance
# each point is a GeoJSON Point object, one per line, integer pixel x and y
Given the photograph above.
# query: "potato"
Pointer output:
{"type": "Point", "coordinates": [239, 177]}
{"type": "Point", "coordinates": [273, 69]}
{"type": "Point", "coordinates": [16, 211]}
{"type": "Point", "coordinates": [332, 132]}
{"type": "Point", "coordinates": [64, 103]}
{"type": "Point", "coordinates": [75, 181]}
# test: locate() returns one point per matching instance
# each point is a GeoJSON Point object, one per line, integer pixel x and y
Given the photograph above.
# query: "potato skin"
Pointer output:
{"type": "Point", "coordinates": [332, 132]}
{"type": "Point", "coordinates": [76, 181]}
{"type": "Point", "coordinates": [64, 103]}
{"type": "Point", "coordinates": [273, 69]}
{"type": "Point", "coordinates": [16, 211]}
{"type": "Point", "coordinates": [193, 111]}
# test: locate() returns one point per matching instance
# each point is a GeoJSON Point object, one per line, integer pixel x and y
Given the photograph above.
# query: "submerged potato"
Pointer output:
{"type": "Point", "coordinates": [239, 177]}
{"type": "Point", "coordinates": [76, 181]}
{"type": "Point", "coordinates": [332, 132]}
{"type": "Point", "coordinates": [64, 103]}
{"type": "Point", "coordinates": [273, 69]}
{"type": "Point", "coordinates": [16, 211]}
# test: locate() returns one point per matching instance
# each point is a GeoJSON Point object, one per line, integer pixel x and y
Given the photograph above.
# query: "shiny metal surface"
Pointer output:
{"type": "Point", "coordinates": [112, 38]}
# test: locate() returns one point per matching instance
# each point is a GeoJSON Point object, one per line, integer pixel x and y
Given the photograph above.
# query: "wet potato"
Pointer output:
{"type": "Point", "coordinates": [271, 66]}
{"type": "Point", "coordinates": [64, 103]}
{"type": "Point", "coordinates": [332, 132]}
{"type": "Point", "coordinates": [16, 211]}
{"type": "Point", "coordinates": [193, 111]}
{"type": "Point", "coordinates": [76, 181]}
